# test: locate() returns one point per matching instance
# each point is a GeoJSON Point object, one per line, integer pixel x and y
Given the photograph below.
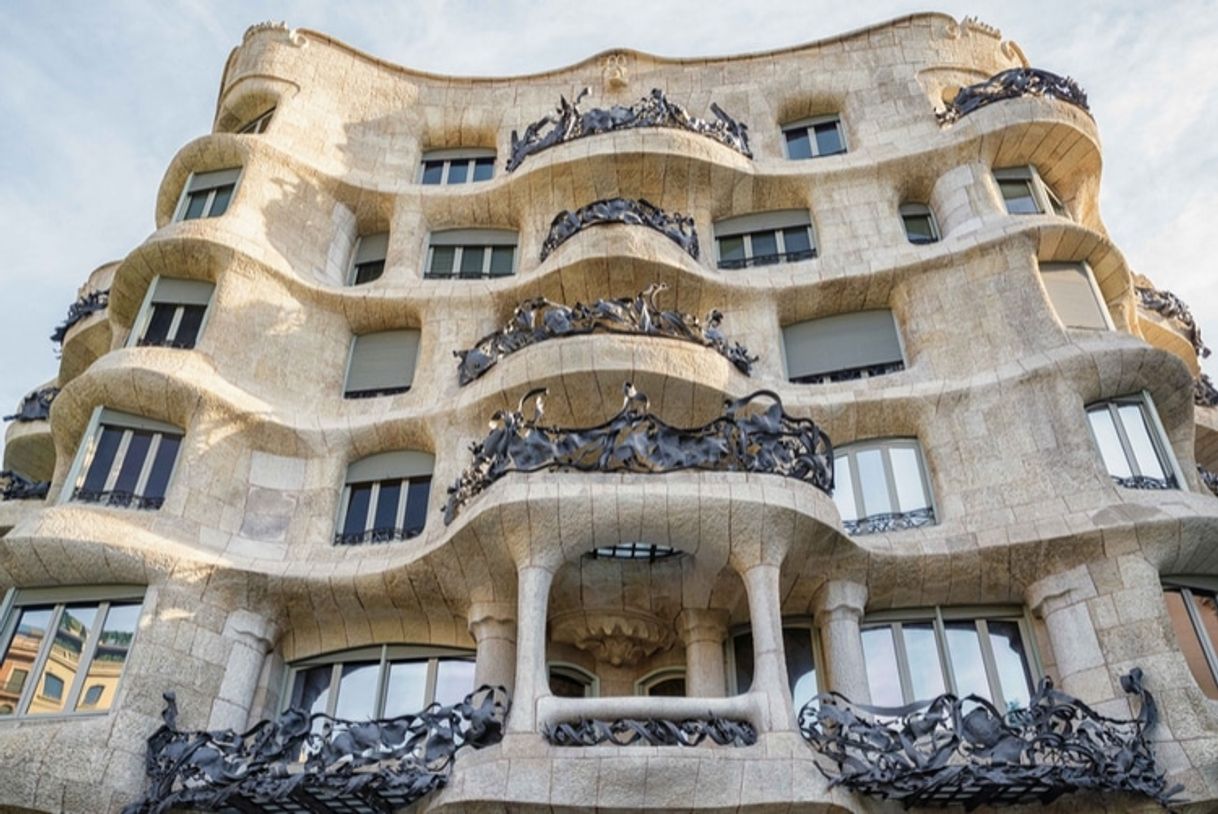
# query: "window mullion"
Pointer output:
{"type": "Point", "coordinates": [890, 480]}
{"type": "Point", "coordinates": [991, 666]}
{"type": "Point", "coordinates": [209, 202]}
{"type": "Point", "coordinates": [336, 680]}
{"type": "Point", "coordinates": [175, 323]}
{"type": "Point", "coordinates": [1123, 437]}
{"type": "Point", "coordinates": [120, 455]}
{"type": "Point", "coordinates": [44, 652]}
{"type": "Point", "coordinates": [382, 684]}
{"type": "Point", "coordinates": [898, 644]}
{"type": "Point", "coordinates": [487, 251]}
{"type": "Point", "coordinates": [945, 657]}
{"type": "Point", "coordinates": [856, 484]}
{"type": "Point", "coordinates": [88, 651]}
{"type": "Point", "coordinates": [374, 497]}
{"type": "Point", "coordinates": [429, 692]}
{"type": "Point", "coordinates": [403, 500]}
{"type": "Point", "coordinates": [141, 482]}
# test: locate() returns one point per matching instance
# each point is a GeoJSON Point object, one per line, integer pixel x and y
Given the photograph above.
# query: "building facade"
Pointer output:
{"type": "Point", "coordinates": [808, 371]}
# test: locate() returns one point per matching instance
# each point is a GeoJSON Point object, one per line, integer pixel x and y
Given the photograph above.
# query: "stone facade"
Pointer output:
{"type": "Point", "coordinates": [241, 578]}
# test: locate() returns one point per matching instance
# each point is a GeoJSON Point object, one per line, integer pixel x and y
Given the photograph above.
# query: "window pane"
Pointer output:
{"type": "Point", "coordinates": [137, 451]}
{"type": "Point", "coordinates": [743, 651]}
{"type": "Point", "coordinates": [731, 251]}
{"type": "Point", "coordinates": [1186, 634]}
{"type": "Point", "coordinates": [471, 261]}
{"type": "Point", "coordinates": [797, 243]}
{"type": "Point", "coordinates": [188, 326]}
{"type": "Point", "coordinates": [442, 258]}
{"type": "Point", "coordinates": [106, 668]}
{"type": "Point", "coordinates": [565, 684]}
{"type": "Point", "coordinates": [367, 272]}
{"type": "Point", "coordinates": [668, 688]}
{"type": "Point", "coordinates": [765, 248]}
{"type": "Point", "coordinates": [103, 459]}
{"type": "Point", "coordinates": [798, 145]}
{"type": "Point", "coordinates": [964, 651]}
{"type": "Point", "coordinates": [873, 482]}
{"type": "Point", "coordinates": [1014, 670]}
{"type": "Point", "coordinates": [907, 473]}
{"type": "Point", "coordinates": [454, 680]}
{"type": "Point", "coordinates": [881, 657]}
{"type": "Point", "coordinates": [162, 467]}
{"type": "Point", "coordinates": [484, 168]}
{"type": "Point", "coordinates": [416, 505]}
{"type": "Point", "coordinates": [501, 260]}
{"type": "Point", "coordinates": [457, 171]}
{"type": "Point", "coordinates": [1108, 442]}
{"type": "Point", "coordinates": [829, 139]}
{"type": "Point", "coordinates": [1055, 203]}
{"type": "Point", "coordinates": [30, 633]}
{"type": "Point", "coordinates": [194, 205]}
{"type": "Point", "coordinates": [219, 204]}
{"type": "Point", "coordinates": [64, 660]}
{"type": "Point", "coordinates": [922, 652]}
{"type": "Point", "coordinates": [1133, 418]}
{"type": "Point", "coordinates": [311, 691]}
{"type": "Point", "coordinates": [356, 521]}
{"type": "Point", "coordinates": [801, 668]}
{"type": "Point", "coordinates": [357, 691]}
{"type": "Point", "coordinates": [407, 686]}
{"type": "Point", "coordinates": [433, 172]}
{"type": "Point", "coordinates": [387, 505]}
{"type": "Point", "coordinates": [159, 323]}
{"type": "Point", "coordinates": [843, 488]}
{"type": "Point", "coordinates": [1018, 197]}
{"type": "Point", "coordinates": [918, 229]}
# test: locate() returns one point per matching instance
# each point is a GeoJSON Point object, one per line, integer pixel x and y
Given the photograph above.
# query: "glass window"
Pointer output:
{"type": "Point", "coordinates": [799, 644]}
{"type": "Point", "coordinates": [920, 226]}
{"type": "Point", "coordinates": [172, 325]}
{"type": "Point", "coordinates": [385, 498]}
{"type": "Point", "coordinates": [1194, 617]}
{"type": "Point", "coordinates": [842, 347]}
{"type": "Point", "coordinates": [1019, 197]}
{"type": "Point", "coordinates": [927, 653]}
{"type": "Point", "coordinates": [471, 254]}
{"type": "Point", "coordinates": [128, 463]}
{"type": "Point", "coordinates": [815, 137]}
{"type": "Point", "coordinates": [569, 681]}
{"type": "Point", "coordinates": [259, 124]}
{"type": "Point", "coordinates": [669, 683]}
{"type": "Point", "coordinates": [1025, 193]}
{"type": "Point", "coordinates": [764, 238]}
{"type": "Point", "coordinates": [1130, 445]}
{"type": "Point", "coordinates": [881, 486]}
{"type": "Point", "coordinates": [457, 166]}
{"type": "Point", "coordinates": [207, 194]}
{"type": "Point", "coordinates": [82, 659]}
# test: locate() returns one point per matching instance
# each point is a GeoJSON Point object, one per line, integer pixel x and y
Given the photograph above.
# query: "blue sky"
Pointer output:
{"type": "Point", "coordinates": [96, 98]}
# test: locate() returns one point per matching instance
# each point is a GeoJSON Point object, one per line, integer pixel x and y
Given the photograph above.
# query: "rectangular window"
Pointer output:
{"type": "Point", "coordinates": [385, 498]}
{"type": "Point", "coordinates": [76, 648]}
{"type": "Point", "coordinates": [1024, 192]}
{"type": "Point", "coordinates": [381, 364]}
{"type": "Point", "coordinates": [815, 137]}
{"type": "Point", "coordinates": [882, 486]}
{"type": "Point", "coordinates": [259, 124]}
{"type": "Point", "coordinates": [1194, 617]}
{"type": "Point", "coordinates": [457, 166]}
{"type": "Point", "coordinates": [471, 254]}
{"type": "Point", "coordinates": [173, 313]}
{"type": "Point", "coordinates": [127, 462]}
{"type": "Point", "coordinates": [843, 346]}
{"type": "Point", "coordinates": [765, 238]}
{"type": "Point", "coordinates": [369, 261]}
{"type": "Point", "coordinates": [920, 226]}
{"type": "Point", "coordinates": [1127, 433]}
{"type": "Point", "coordinates": [1075, 296]}
{"type": "Point", "coordinates": [207, 194]}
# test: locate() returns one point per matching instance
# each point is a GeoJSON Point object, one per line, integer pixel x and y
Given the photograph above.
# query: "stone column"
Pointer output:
{"type": "Point", "coordinates": [493, 626]}
{"type": "Point", "coordinates": [252, 637]}
{"type": "Point", "coordinates": [532, 680]}
{"type": "Point", "coordinates": [703, 631]}
{"type": "Point", "coordinates": [769, 658]}
{"type": "Point", "coordinates": [1061, 601]}
{"type": "Point", "coordinates": [838, 607]}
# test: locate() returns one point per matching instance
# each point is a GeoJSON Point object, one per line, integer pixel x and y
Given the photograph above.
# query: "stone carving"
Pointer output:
{"type": "Point", "coordinates": [618, 636]}
{"type": "Point", "coordinates": [746, 438]}
{"type": "Point", "coordinates": [1169, 306]}
{"type": "Point", "coordinates": [304, 762]}
{"type": "Point", "coordinates": [36, 406]}
{"type": "Point", "coordinates": [1210, 479]}
{"type": "Point", "coordinates": [87, 304]}
{"type": "Point", "coordinates": [14, 486]}
{"type": "Point", "coordinates": [964, 751]}
{"type": "Point", "coordinates": [892, 521]}
{"type": "Point", "coordinates": [616, 70]}
{"type": "Point", "coordinates": [293, 35]}
{"type": "Point", "coordinates": [676, 227]}
{"type": "Point", "coordinates": [539, 319]}
{"type": "Point", "coordinates": [652, 732]}
{"type": "Point", "coordinates": [1011, 84]}
{"type": "Point", "coordinates": [568, 123]}
{"type": "Point", "coordinates": [1205, 394]}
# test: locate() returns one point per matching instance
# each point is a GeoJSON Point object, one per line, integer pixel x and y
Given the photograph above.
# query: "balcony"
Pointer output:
{"type": "Point", "coordinates": [1013, 84]}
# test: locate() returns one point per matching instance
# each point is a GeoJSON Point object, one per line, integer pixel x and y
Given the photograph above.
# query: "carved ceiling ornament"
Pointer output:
{"type": "Point", "coordinates": [621, 637]}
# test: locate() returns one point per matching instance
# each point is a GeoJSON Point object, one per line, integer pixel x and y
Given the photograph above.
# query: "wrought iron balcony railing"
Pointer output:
{"type": "Point", "coordinates": [377, 535]}
{"type": "Point", "coordinates": [652, 732]}
{"type": "Point", "coordinates": [746, 438]}
{"type": "Point", "coordinates": [315, 763]}
{"type": "Point", "coordinates": [1011, 84]}
{"type": "Point", "coordinates": [568, 123]}
{"type": "Point", "coordinates": [964, 751]}
{"type": "Point", "coordinates": [1145, 482]}
{"type": "Point", "coordinates": [539, 319]}
{"type": "Point", "coordinates": [1210, 479]}
{"type": "Point", "coordinates": [768, 259]}
{"type": "Point", "coordinates": [14, 486]}
{"type": "Point", "coordinates": [117, 497]}
{"type": "Point", "coordinates": [88, 304]}
{"type": "Point", "coordinates": [36, 406]}
{"type": "Point", "coordinates": [890, 521]}
{"type": "Point", "coordinates": [676, 227]}
{"type": "Point", "coordinates": [1169, 306]}
{"type": "Point", "coordinates": [851, 374]}
{"type": "Point", "coordinates": [1204, 392]}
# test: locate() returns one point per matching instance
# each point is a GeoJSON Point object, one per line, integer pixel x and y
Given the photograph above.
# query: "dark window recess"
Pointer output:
{"type": "Point", "coordinates": [864, 372]}
{"type": "Point", "coordinates": [367, 272]}
{"type": "Point", "coordinates": [123, 475]}
{"type": "Point", "coordinates": [401, 497]}
{"type": "Point", "coordinates": [173, 326]}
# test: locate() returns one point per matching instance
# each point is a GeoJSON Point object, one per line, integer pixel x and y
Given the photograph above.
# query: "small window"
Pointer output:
{"type": "Point", "coordinates": [917, 655]}
{"type": "Point", "coordinates": [1075, 296]}
{"type": "Point", "coordinates": [385, 498]}
{"type": "Point", "coordinates": [471, 254]}
{"type": "Point", "coordinates": [369, 261]}
{"type": "Point", "coordinates": [259, 124]}
{"type": "Point", "coordinates": [381, 364]}
{"type": "Point", "coordinates": [380, 682]}
{"type": "Point", "coordinates": [457, 166]}
{"type": "Point", "coordinates": [207, 194]}
{"type": "Point", "coordinates": [1025, 193]}
{"type": "Point", "coordinates": [75, 642]}
{"type": "Point", "coordinates": [842, 347]}
{"type": "Point", "coordinates": [173, 313]}
{"type": "Point", "coordinates": [126, 461]}
{"type": "Point", "coordinates": [881, 486]}
{"type": "Point", "coordinates": [666, 683]}
{"type": "Point", "coordinates": [638, 552]}
{"type": "Point", "coordinates": [800, 646]}
{"type": "Point", "coordinates": [1130, 441]}
{"type": "Point", "coordinates": [765, 238]}
{"type": "Point", "coordinates": [570, 681]}
{"type": "Point", "coordinates": [1194, 616]}
{"type": "Point", "coordinates": [920, 226]}
{"type": "Point", "coordinates": [815, 137]}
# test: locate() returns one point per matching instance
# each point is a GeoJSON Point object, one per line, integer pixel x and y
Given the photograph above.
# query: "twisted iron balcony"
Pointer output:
{"type": "Point", "coordinates": [35, 406]}
{"type": "Point", "coordinates": [1012, 84]}
{"type": "Point", "coordinates": [1210, 479]}
{"type": "Point", "coordinates": [118, 497]}
{"type": "Point", "coordinates": [890, 521]}
{"type": "Point", "coordinates": [676, 227]}
{"type": "Point", "coordinates": [14, 486]}
{"type": "Point", "coordinates": [652, 732]}
{"type": "Point", "coordinates": [1169, 306]}
{"type": "Point", "coordinates": [88, 304]}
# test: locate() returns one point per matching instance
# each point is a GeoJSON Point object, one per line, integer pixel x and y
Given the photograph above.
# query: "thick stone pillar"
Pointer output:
{"type": "Point", "coordinates": [769, 657]}
{"type": "Point", "coordinates": [493, 626]}
{"type": "Point", "coordinates": [1061, 601]}
{"type": "Point", "coordinates": [252, 637]}
{"type": "Point", "coordinates": [703, 631]}
{"type": "Point", "coordinates": [532, 680]}
{"type": "Point", "coordinates": [838, 607]}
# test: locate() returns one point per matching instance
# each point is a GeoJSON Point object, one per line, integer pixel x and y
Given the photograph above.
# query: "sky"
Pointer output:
{"type": "Point", "coordinates": [96, 98]}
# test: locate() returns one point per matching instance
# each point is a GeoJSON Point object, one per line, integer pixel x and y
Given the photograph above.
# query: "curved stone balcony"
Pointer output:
{"type": "Point", "coordinates": [28, 446]}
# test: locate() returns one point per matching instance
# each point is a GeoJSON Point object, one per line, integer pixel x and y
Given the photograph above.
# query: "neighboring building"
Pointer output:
{"type": "Point", "coordinates": [237, 494]}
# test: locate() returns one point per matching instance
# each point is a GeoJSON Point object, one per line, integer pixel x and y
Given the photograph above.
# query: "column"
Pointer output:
{"type": "Point", "coordinates": [838, 607]}
{"type": "Point", "coordinates": [532, 679]}
{"type": "Point", "coordinates": [1061, 601]}
{"type": "Point", "coordinates": [769, 658]}
{"type": "Point", "coordinates": [703, 631]}
{"type": "Point", "coordinates": [252, 637]}
{"type": "Point", "coordinates": [493, 626]}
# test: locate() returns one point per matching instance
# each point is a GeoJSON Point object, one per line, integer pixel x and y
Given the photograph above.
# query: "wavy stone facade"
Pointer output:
{"type": "Point", "coordinates": [241, 589]}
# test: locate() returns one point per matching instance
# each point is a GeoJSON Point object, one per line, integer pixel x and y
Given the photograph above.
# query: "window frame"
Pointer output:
{"type": "Point", "coordinates": [487, 240]}
{"type": "Point", "coordinates": [847, 374]}
{"type": "Point", "coordinates": [800, 622]}
{"type": "Point", "coordinates": [259, 124]}
{"type": "Point", "coordinates": [354, 268]}
{"type": "Point", "coordinates": [466, 155]}
{"type": "Point", "coordinates": [59, 597]}
{"type": "Point", "coordinates": [1158, 439]}
{"type": "Point", "coordinates": [885, 445]}
{"type": "Point", "coordinates": [382, 392]}
{"type": "Point", "coordinates": [375, 469]}
{"type": "Point", "coordinates": [1047, 201]}
{"type": "Point", "coordinates": [590, 680]}
{"type": "Point", "coordinates": [1187, 586]}
{"type": "Point", "coordinates": [1096, 291]}
{"type": "Point", "coordinates": [918, 210]}
{"type": "Point", "coordinates": [807, 124]}
{"type": "Point", "coordinates": [644, 685]}
{"type": "Point", "coordinates": [144, 315]}
{"type": "Point", "coordinates": [83, 458]}
{"type": "Point", "coordinates": [187, 191]}
{"type": "Point", "coordinates": [776, 221]}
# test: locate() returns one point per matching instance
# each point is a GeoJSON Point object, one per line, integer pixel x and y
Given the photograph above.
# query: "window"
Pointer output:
{"type": "Point", "coordinates": [800, 646]}
{"type": "Point", "coordinates": [1193, 607]}
{"type": "Point", "coordinates": [841, 347]}
{"type": "Point", "coordinates": [570, 681]}
{"type": "Point", "coordinates": [471, 254]}
{"type": "Point", "coordinates": [1025, 193]}
{"type": "Point", "coordinates": [173, 313]}
{"type": "Point", "coordinates": [815, 137]}
{"type": "Point", "coordinates": [917, 655]}
{"type": "Point", "coordinates": [259, 124]}
{"type": "Point", "coordinates": [70, 639]}
{"type": "Point", "coordinates": [920, 226]}
{"type": "Point", "coordinates": [667, 683]}
{"type": "Point", "coordinates": [646, 552]}
{"type": "Point", "coordinates": [457, 166]}
{"type": "Point", "coordinates": [126, 461]}
{"type": "Point", "coordinates": [385, 498]}
{"type": "Point", "coordinates": [765, 238]}
{"type": "Point", "coordinates": [881, 486]}
{"type": "Point", "coordinates": [1075, 296]}
{"type": "Point", "coordinates": [1130, 441]}
{"type": "Point", "coordinates": [369, 261]}
{"type": "Point", "coordinates": [208, 194]}
{"type": "Point", "coordinates": [381, 364]}
{"type": "Point", "coordinates": [380, 682]}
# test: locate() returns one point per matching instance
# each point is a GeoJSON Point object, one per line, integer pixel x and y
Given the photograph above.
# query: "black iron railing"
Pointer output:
{"type": "Point", "coordinates": [850, 374]}
{"type": "Point", "coordinates": [1169, 306]}
{"type": "Point", "coordinates": [1012, 84]}
{"type": "Point", "coordinates": [35, 406]}
{"type": "Point", "coordinates": [14, 486]}
{"type": "Point", "coordinates": [676, 227]}
{"type": "Point", "coordinates": [651, 732]}
{"type": "Point", "coordinates": [890, 521]}
{"type": "Point", "coordinates": [88, 304]}
{"type": "Point", "coordinates": [768, 259]}
{"type": "Point", "coordinates": [117, 497]}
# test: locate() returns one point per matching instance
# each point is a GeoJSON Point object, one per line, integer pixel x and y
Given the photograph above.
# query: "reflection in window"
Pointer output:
{"type": "Point", "coordinates": [1130, 445]}
{"type": "Point", "coordinates": [881, 486]}
{"type": "Point", "coordinates": [1194, 617]}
